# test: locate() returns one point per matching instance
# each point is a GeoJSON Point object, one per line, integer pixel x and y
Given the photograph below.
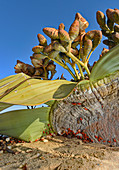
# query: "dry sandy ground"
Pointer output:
{"type": "Point", "coordinates": [61, 153]}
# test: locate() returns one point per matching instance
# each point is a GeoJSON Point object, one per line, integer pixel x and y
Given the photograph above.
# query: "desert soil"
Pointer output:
{"type": "Point", "coordinates": [61, 153]}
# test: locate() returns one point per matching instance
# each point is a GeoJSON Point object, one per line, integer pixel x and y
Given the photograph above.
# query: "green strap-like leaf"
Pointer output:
{"type": "Point", "coordinates": [109, 63]}
{"type": "Point", "coordinates": [27, 124]}
{"type": "Point", "coordinates": [61, 91]}
{"type": "Point", "coordinates": [4, 106]}
{"type": "Point", "coordinates": [34, 92]}
{"type": "Point", "coordinates": [11, 82]}
{"type": "Point", "coordinates": [50, 103]}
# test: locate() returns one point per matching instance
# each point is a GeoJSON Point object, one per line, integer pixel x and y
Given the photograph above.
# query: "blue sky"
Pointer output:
{"type": "Point", "coordinates": [22, 20]}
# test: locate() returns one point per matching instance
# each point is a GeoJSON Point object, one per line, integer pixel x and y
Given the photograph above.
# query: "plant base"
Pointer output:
{"type": "Point", "coordinates": [92, 110]}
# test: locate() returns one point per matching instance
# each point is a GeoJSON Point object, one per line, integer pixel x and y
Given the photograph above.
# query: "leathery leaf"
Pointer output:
{"type": "Point", "coordinates": [27, 124]}
{"type": "Point", "coordinates": [34, 92]}
{"type": "Point", "coordinates": [107, 64]}
{"type": "Point", "coordinates": [4, 106]}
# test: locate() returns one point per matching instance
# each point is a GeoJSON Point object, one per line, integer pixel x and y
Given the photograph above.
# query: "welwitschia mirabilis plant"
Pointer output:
{"type": "Point", "coordinates": [24, 89]}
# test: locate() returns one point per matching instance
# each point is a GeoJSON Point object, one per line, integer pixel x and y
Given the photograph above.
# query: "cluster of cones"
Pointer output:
{"type": "Point", "coordinates": [62, 44]}
{"type": "Point", "coordinates": [71, 48]}
{"type": "Point", "coordinates": [110, 28]}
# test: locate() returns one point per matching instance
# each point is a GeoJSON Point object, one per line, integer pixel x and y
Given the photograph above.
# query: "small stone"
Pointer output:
{"type": "Point", "coordinates": [77, 156]}
{"type": "Point", "coordinates": [9, 147]}
{"type": "Point", "coordinates": [23, 166]}
{"type": "Point", "coordinates": [17, 153]}
{"type": "Point", "coordinates": [48, 137]}
{"type": "Point", "coordinates": [42, 158]}
{"type": "Point", "coordinates": [72, 155]}
{"type": "Point", "coordinates": [85, 156]}
{"type": "Point", "coordinates": [45, 140]}
{"type": "Point", "coordinates": [29, 150]}
{"type": "Point", "coordinates": [80, 142]}
{"type": "Point", "coordinates": [1, 151]}
{"type": "Point", "coordinates": [42, 138]}
{"type": "Point", "coordinates": [79, 134]}
{"type": "Point", "coordinates": [18, 150]}
{"type": "Point", "coordinates": [7, 139]}
{"type": "Point", "coordinates": [38, 154]}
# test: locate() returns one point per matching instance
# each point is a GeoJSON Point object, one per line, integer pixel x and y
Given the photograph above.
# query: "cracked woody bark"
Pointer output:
{"type": "Point", "coordinates": [93, 108]}
{"type": "Point", "coordinates": [93, 112]}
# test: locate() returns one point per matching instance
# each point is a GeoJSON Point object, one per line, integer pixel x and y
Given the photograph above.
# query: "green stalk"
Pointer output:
{"type": "Point", "coordinates": [77, 61]}
{"type": "Point", "coordinates": [45, 73]}
{"type": "Point", "coordinates": [89, 56]}
{"type": "Point", "coordinates": [74, 67]}
{"type": "Point", "coordinates": [65, 67]}
{"type": "Point", "coordinates": [69, 46]}
{"type": "Point", "coordinates": [61, 64]}
{"type": "Point", "coordinates": [87, 70]}
{"type": "Point", "coordinates": [80, 69]}
{"type": "Point", "coordinates": [80, 49]}
{"type": "Point", "coordinates": [75, 77]}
